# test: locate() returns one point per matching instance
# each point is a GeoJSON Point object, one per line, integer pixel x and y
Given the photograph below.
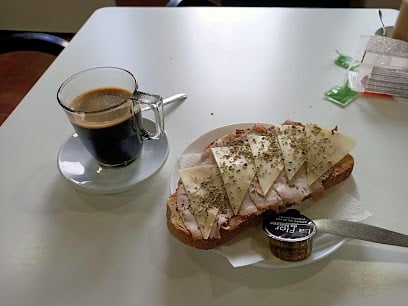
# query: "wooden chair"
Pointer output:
{"type": "Point", "coordinates": [174, 3]}
{"type": "Point", "coordinates": [31, 41]}
{"type": "Point", "coordinates": [269, 3]}
{"type": "Point", "coordinates": [20, 70]}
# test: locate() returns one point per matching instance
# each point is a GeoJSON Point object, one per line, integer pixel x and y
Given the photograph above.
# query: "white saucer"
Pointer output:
{"type": "Point", "coordinates": [77, 165]}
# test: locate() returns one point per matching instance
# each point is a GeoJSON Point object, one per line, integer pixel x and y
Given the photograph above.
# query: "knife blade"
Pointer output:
{"type": "Point", "coordinates": [361, 231]}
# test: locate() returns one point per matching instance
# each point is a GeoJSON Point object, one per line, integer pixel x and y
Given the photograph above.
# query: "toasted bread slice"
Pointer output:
{"type": "Point", "coordinates": [338, 173]}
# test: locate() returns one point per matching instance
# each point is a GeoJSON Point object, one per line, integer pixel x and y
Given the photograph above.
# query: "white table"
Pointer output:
{"type": "Point", "coordinates": [61, 246]}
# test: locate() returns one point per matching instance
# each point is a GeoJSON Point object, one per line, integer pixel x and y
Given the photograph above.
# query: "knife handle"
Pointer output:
{"type": "Point", "coordinates": [361, 231]}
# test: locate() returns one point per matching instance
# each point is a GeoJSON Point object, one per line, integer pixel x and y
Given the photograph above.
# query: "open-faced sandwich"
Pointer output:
{"type": "Point", "coordinates": [247, 174]}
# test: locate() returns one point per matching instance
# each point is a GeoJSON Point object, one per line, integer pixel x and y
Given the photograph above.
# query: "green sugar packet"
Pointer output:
{"type": "Point", "coordinates": [341, 94]}
{"type": "Point", "coordinates": [346, 61]}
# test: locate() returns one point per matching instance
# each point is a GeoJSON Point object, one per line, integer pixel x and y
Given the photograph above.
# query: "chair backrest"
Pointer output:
{"type": "Point", "coordinates": [31, 41]}
{"type": "Point", "coordinates": [174, 3]}
{"type": "Point", "coordinates": [269, 3]}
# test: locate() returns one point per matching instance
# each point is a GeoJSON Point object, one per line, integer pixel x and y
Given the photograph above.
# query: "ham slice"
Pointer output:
{"type": "Point", "coordinates": [187, 216]}
{"type": "Point", "coordinates": [248, 206]}
{"type": "Point", "coordinates": [294, 191]}
{"type": "Point", "coordinates": [271, 200]}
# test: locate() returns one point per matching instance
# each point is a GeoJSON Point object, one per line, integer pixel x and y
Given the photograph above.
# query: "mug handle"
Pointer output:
{"type": "Point", "coordinates": [155, 103]}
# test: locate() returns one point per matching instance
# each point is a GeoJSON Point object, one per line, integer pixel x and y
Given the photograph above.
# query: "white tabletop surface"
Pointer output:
{"type": "Point", "coordinates": [62, 246]}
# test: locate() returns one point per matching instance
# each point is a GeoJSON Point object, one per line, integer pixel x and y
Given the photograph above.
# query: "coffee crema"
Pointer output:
{"type": "Point", "coordinates": [109, 125]}
{"type": "Point", "coordinates": [102, 107]}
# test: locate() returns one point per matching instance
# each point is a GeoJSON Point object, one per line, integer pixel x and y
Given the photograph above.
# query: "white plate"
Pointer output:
{"type": "Point", "coordinates": [77, 165]}
{"type": "Point", "coordinates": [323, 244]}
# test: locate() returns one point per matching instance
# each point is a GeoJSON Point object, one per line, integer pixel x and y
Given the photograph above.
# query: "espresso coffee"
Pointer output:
{"type": "Point", "coordinates": [110, 126]}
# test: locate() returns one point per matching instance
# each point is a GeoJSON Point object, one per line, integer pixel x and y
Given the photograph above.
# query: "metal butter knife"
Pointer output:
{"type": "Point", "coordinates": [175, 98]}
{"type": "Point", "coordinates": [361, 231]}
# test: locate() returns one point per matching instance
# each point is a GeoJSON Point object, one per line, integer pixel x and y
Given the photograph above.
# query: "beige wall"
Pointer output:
{"type": "Point", "coordinates": [47, 15]}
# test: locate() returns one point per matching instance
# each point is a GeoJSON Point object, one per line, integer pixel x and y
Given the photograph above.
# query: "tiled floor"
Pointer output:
{"type": "Point", "coordinates": [20, 70]}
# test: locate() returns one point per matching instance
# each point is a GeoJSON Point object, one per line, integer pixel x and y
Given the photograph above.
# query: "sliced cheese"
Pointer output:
{"type": "Point", "coordinates": [268, 159]}
{"type": "Point", "coordinates": [325, 149]}
{"type": "Point", "coordinates": [237, 170]}
{"type": "Point", "coordinates": [205, 191]}
{"type": "Point", "coordinates": [292, 141]}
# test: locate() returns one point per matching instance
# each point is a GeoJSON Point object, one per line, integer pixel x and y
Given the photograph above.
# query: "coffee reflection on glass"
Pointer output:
{"type": "Point", "coordinates": [104, 107]}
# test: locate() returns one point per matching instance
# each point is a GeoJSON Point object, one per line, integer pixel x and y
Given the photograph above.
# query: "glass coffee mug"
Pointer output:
{"type": "Point", "coordinates": [104, 106]}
